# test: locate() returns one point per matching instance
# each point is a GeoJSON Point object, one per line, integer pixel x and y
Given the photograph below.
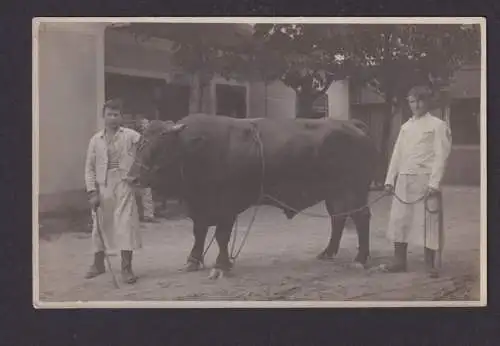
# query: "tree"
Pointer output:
{"type": "Point", "coordinates": [307, 58]}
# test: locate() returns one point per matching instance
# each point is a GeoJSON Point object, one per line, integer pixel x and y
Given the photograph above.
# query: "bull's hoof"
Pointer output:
{"type": "Point", "coordinates": [361, 261]}
{"type": "Point", "coordinates": [216, 273]}
{"type": "Point", "coordinates": [357, 265]}
{"type": "Point", "coordinates": [192, 266]}
{"type": "Point", "coordinates": [224, 265]}
{"type": "Point", "coordinates": [325, 256]}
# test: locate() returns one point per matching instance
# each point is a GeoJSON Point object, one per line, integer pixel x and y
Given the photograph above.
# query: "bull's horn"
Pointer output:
{"type": "Point", "coordinates": [178, 127]}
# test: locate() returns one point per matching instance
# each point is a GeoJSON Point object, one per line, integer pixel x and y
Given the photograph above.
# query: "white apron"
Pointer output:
{"type": "Point", "coordinates": [411, 223]}
{"type": "Point", "coordinates": [118, 216]}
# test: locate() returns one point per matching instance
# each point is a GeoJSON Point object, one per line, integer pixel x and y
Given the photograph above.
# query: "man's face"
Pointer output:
{"type": "Point", "coordinates": [417, 107]}
{"type": "Point", "coordinates": [112, 118]}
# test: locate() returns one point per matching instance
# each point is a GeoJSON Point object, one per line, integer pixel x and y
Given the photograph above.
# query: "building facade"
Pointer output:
{"type": "Point", "coordinates": [81, 64]}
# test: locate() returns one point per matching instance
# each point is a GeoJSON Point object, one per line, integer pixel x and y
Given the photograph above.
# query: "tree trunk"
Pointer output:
{"type": "Point", "coordinates": [201, 87]}
{"type": "Point", "coordinates": [265, 99]}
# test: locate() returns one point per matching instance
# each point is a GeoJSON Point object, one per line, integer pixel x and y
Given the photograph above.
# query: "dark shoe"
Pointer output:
{"type": "Point", "coordinates": [97, 268]}
{"type": "Point", "coordinates": [399, 263]}
{"type": "Point", "coordinates": [128, 276]}
{"type": "Point", "coordinates": [430, 268]}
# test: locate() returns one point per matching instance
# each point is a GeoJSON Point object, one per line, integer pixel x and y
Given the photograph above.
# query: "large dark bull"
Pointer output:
{"type": "Point", "coordinates": [220, 167]}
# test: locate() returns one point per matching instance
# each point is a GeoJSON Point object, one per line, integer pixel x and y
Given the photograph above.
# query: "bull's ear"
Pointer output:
{"type": "Point", "coordinates": [178, 128]}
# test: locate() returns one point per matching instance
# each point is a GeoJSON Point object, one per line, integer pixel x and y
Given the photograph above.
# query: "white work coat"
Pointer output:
{"type": "Point", "coordinates": [422, 147]}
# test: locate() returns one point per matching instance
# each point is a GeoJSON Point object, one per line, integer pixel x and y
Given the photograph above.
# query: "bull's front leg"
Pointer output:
{"type": "Point", "coordinates": [195, 259]}
{"type": "Point", "coordinates": [223, 263]}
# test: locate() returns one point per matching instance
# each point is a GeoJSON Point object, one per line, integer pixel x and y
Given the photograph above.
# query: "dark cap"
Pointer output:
{"type": "Point", "coordinates": [115, 104]}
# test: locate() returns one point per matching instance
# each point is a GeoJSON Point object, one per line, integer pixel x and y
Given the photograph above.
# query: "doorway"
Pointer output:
{"type": "Point", "coordinates": [231, 100]}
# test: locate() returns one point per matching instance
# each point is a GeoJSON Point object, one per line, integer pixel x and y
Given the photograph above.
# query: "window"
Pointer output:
{"type": "Point", "coordinates": [231, 100]}
{"type": "Point", "coordinates": [464, 121]}
{"type": "Point", "coordinates": [151, 97]}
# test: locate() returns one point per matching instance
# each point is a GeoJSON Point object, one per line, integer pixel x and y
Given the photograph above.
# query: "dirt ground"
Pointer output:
{"type": "Point", "coordinates": [278, 261]}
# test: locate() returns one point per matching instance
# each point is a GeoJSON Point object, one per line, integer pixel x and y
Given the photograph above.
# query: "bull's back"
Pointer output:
{"type": "Point", "coordinates": [294, 148]}
{"type": "Point", "coordinates": [302, 147]}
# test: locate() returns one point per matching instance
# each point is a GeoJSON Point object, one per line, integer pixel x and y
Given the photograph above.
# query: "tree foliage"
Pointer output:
{"type": "Point", "coordinates": [307, 58]}
{"type": "Point", "coordinates": [389, 58]}
{"type": "Point", "coordinates": [392, 58]}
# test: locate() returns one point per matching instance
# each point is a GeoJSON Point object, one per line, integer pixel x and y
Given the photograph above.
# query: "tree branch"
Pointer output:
{"type": "Point", "coordinates": [328, 83]}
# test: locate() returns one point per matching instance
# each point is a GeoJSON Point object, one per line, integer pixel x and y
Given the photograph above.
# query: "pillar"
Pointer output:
{"type": "Point", "coordinates": [69, 68]}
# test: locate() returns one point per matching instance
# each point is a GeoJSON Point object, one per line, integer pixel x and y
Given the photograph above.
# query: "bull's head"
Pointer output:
{"type": "Point", "coordinates": [158, 149]}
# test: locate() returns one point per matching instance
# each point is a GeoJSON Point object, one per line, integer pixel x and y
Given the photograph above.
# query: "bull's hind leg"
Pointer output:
{"type": "Point", "coordinates": [195, 259]}
{"type": "Point", "coordinates": [338, 223]}
{"type": "Point", "coordinates": [223, 235]}
{"type": "Point", "coordinates": [362, 222]}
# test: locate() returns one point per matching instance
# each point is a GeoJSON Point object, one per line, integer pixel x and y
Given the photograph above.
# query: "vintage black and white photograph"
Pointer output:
{"type": "Point", "coordinates": [259, 162]}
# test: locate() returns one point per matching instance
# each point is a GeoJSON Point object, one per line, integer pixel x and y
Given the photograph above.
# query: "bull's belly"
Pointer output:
{"type": "Point", "coordinates": [290, 196]}
{"type": "Point", "coordinates": [294, 197]}
{"type": "Point", "coordinates": [219, 204]}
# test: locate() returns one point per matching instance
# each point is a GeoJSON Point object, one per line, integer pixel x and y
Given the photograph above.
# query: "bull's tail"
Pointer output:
{"type": "Point", "coordinates": [376, 184]}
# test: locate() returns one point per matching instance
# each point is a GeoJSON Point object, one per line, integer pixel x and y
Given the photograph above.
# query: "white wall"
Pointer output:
{"type": "Point", "coordinates": [70, 90]}
{"type": "Point", "coordinates": [338, 100]}
{"type": "Point", "coordinates": [280, 100]}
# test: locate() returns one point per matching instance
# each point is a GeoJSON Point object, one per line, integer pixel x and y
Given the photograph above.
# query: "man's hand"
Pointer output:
{"type": "Point", "coordinates": [133, 182]}
{"type": "Point", "coordinates": [388, 188]}
{"type": "Point", "coordinates": [432, 191]}
{"type": "Point", "coordinates": [94, 200]}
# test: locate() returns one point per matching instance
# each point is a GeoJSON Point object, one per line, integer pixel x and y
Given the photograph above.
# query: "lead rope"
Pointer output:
{"type": "Point", "coordinates": [233, 256]}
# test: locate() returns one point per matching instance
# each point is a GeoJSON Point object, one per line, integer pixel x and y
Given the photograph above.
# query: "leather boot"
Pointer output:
{"type": "Point", "coordinates": [430, 268]}
{"type": "Point", "coordinates": [399, 262]}
{"type": "Point", "coordinates": [97, 268]}
{"type": "Point", "coordinates": [127, 274]}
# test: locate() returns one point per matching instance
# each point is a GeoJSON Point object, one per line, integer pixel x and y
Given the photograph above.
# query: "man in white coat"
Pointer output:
{"type": "Point", "coordinates": [146, 194]}
{"type": "Point", "coordinates": [416, 169]}
{"type": "Point", "coordinates": [110, 155]}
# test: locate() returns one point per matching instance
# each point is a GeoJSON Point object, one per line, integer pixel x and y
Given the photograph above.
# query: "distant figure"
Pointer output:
{"type": "Point", "coordinates": [145, 195]}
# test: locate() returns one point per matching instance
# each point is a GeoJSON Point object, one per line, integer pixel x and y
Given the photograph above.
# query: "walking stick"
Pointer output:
{"type": "Point", "coordinates": [441, 230]}
{"type": "Point", "coordinates": [98, 227]}
{"type": "Point", "coordinates": [429, 213]}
